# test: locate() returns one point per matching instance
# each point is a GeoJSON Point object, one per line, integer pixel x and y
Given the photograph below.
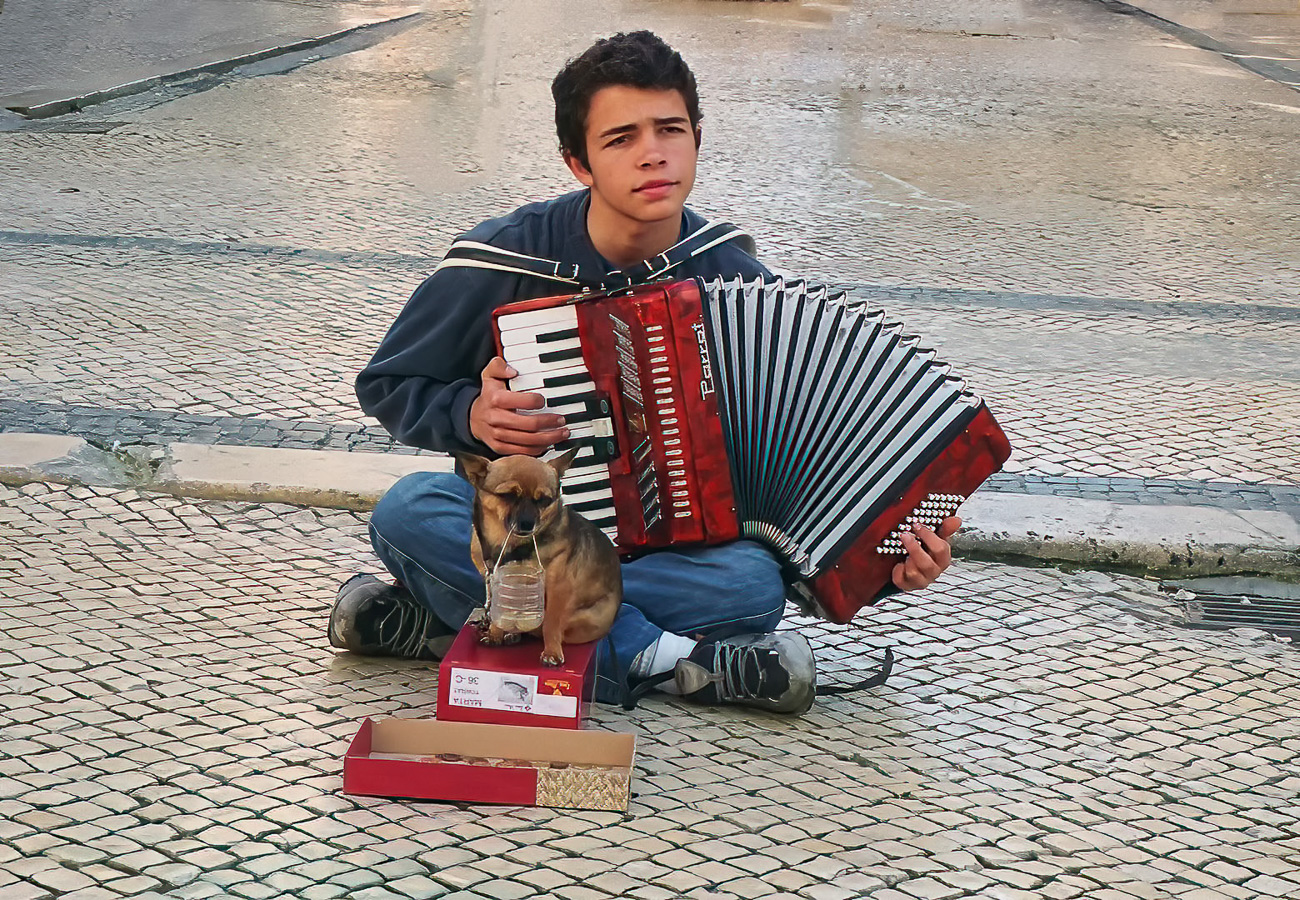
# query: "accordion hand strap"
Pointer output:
{"type": "Point", "coordinates": [876, 680]}
{"type": "Point", "coordinates": [476, 255]}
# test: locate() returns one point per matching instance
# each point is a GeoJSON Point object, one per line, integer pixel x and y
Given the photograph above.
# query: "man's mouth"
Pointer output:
{"type": "Point", "coordinates": [654, 186]}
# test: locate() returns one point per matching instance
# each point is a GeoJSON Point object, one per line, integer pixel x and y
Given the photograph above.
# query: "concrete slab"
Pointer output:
{"type": "Point", "coordinates": [1166, 539]}
{"type": "Point", "coordinates": [21, 450]}
{"type": "Point", "coordinates": [330, 478]}
{"type": "Point", "coordinates": [27, 457]}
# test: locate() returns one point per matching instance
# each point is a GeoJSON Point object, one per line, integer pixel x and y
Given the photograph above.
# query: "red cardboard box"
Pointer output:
{"type": "Point", "coordinates": [465, 762]}
{"type": "Point", "coordinates": [510, 686]}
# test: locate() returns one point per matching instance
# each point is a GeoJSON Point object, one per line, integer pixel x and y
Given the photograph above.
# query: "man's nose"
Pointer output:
{"type": "Point", "coordinates": [653, 154]}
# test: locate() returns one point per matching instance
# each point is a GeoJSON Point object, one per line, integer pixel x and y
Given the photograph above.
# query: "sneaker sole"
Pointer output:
{"type": "Point", "coordinates": [340, 637]}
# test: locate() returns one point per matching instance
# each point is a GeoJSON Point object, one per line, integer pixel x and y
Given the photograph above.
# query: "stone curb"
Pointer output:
{"type": "Point", "coordinates": [45, 103]}
{"type": "Point", "coordinates": [326, 478]}
{"type": "Point", "coordinates": [1166, 540]}
{"type": "Point", "coordinates": [1251, 57]}
{"type": "Point", "coordinates": [1173, 540]}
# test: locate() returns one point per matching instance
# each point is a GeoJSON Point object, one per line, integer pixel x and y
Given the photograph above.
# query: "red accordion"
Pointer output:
{"type": "Point", "coordinates": [708, 411]}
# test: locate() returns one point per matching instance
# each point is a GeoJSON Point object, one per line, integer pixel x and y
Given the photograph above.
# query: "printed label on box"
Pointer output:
{"type": "Point", "coordinates": [507, 691]}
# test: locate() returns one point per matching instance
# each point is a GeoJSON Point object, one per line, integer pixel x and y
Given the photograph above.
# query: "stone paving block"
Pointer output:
{"type": "Point", "coordinates": [1005, 892]}
{"type": "Point", "coordinates": [61, 880]}
{"type": "Point", "coordinates": [26, 891]}
{"type": "Point", "coordinates": [1267, 885]}
{"type": "Point", "coordinates": [826, 891]}
{"type": "Point", "coordinates": [930, 889]}
{"type": "Point", "coordinates": [91, 893]}
{"type": "Point", "coordinates": [1204, 894]}
{"type": "Point", "coordinates": [580, 892]}
{"type": "Point", "coordinates": [323, 892]}
{"type": "Point", "coordinates": [419, 887]}
{"type": "Point", "coordinates": [1228, 871]}
{"type": "Point", "coordinates": [128, 885]}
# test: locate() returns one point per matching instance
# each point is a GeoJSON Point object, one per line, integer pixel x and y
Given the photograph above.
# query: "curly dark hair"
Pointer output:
{"type": "Point", "coordinates": [636, 59]}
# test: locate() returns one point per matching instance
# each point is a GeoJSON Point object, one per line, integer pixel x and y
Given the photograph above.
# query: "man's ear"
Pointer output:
{"type": "Point", "coordinates": [580, 171]}
{"type": "Point", "coordinates": [561, 463]}
{"type": "Point", "coordinates": [699, 137]}
{"type": "Point", "coordinates": [475, 467]}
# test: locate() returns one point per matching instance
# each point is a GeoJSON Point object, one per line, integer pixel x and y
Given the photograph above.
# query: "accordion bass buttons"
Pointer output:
{"type": "Point", "coordinates": [930, 512]}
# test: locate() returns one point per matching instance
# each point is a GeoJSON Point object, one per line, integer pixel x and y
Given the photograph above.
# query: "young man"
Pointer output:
{"type": "Point", "coordinates": [701, 619]}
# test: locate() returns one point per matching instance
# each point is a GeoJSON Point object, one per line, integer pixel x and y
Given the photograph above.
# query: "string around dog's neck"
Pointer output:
{"type": "Point", "coordinates": [537, 553]}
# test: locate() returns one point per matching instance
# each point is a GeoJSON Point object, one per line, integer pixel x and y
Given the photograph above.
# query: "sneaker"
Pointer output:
{"type": "Point", "coordinates": [374, 618]}
{"type": "Point", "coordinates": [775, 672]}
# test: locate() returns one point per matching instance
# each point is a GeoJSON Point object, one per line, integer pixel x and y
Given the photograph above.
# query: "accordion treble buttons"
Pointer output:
{"type": "Point", "coordinates": [930, 512]}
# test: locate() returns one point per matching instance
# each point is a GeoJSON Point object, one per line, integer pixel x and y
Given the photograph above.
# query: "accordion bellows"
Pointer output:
{"type": "Point", "coordinates": [777, 411]}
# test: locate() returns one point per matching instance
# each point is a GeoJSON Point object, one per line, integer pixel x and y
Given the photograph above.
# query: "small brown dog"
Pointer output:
{"type": "Point", "coordinates": [584, 584]}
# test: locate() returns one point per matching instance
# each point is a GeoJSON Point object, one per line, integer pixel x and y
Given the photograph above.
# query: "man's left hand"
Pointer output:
{"type": "Point", "coordinates": [928, 554]}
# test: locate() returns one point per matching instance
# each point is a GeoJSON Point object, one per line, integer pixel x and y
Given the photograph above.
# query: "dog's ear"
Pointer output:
{"type": "Point", "coordinates": [561, 463]}
{"type": "Point", "coordinates": [475, 467]}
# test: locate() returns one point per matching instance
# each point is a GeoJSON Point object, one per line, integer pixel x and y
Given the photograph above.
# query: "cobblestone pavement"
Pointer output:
{"type": "Point", "coordinates": [172, 724]}
{"type": "Point", "coordinates": [1070, 235]}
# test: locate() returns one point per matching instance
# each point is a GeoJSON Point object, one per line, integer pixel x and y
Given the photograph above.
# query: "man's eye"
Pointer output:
{"type": "Point", "coordinates": [618, 140]}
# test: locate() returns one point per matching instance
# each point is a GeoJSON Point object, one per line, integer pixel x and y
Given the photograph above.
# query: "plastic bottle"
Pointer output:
{"type": "Point", "coordinates": [517, 596]}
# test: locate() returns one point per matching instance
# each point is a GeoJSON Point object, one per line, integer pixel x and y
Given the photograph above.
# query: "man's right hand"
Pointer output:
{"type": "Point", "coordinates": [495, 420]}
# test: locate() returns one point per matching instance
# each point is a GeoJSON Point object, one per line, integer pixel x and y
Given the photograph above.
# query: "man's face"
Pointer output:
{"type": "Point", "coordinates": [641, 153]}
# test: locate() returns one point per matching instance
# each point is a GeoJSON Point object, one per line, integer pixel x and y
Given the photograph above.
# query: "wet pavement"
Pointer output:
{"type": "Point", "coordinates": [64, 45]}
{"type": "Point", "coordinates": [1073, 238]}
{"type": "Point", "coordinates": [1270, 27]}
{"type": "Point", "coordinates": [1092, 220]}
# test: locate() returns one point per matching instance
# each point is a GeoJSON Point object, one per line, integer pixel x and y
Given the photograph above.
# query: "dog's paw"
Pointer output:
{"type": "Point", "coordinates": [489, 635]}
{"type": "Point", "coordinates": [511, 637]}
{"type": "Point", "coordinates": [552, 659]}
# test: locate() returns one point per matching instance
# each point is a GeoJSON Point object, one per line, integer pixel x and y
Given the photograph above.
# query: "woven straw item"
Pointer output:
{"type": "Point", "coordinates": [583, 788]}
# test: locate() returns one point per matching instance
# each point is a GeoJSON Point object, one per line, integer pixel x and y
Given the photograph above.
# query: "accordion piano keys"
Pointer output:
{"type": "Point", "coordinates": [544, 346]}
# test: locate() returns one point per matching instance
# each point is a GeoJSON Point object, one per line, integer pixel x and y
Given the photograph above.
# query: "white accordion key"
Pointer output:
{"type": "Point", "coordinates": [551, 318]}
{"type": "Point", "coordinates": [930, 512]}
{"type": "Point", "coordinates": [596, 428]}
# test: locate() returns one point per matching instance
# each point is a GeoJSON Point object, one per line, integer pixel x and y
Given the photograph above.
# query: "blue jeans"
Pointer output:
{"type": "Point", "coordinates": [421, 529]}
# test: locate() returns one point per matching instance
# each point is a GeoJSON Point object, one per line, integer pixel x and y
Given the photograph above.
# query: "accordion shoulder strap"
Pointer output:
{"type": "Point", "coordinates": [477, 255]}
{"type": "Point", "coordinates": [705, 238]}
{"type": "Point", "coordinates": [474, 255]}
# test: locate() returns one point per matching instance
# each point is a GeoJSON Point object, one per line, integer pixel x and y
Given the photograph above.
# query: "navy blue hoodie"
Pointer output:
{"type": "Point", "coordinates": [425, 375]}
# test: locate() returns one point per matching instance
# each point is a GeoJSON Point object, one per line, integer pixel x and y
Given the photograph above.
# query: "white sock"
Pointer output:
{"type": "Point", "coordinates": [663, 655]}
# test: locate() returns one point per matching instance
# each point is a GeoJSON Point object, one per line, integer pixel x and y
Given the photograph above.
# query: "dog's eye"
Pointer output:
{"type": "Point", "coordinates": [545, 501]}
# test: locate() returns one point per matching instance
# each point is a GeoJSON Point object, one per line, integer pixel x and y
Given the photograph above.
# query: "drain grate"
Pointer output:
{"type": "Point", "coordinates": [1223, 611]}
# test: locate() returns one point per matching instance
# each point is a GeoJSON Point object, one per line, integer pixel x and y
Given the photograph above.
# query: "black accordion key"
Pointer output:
{"type": "Point", "coordinates": [554, 356]}
{"type": "Point", "coordinates": [556, 381]}
{"type": "Point", "coordinates": [603, 449]}
{"type": "Point", "coordinates": [553, 336]}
